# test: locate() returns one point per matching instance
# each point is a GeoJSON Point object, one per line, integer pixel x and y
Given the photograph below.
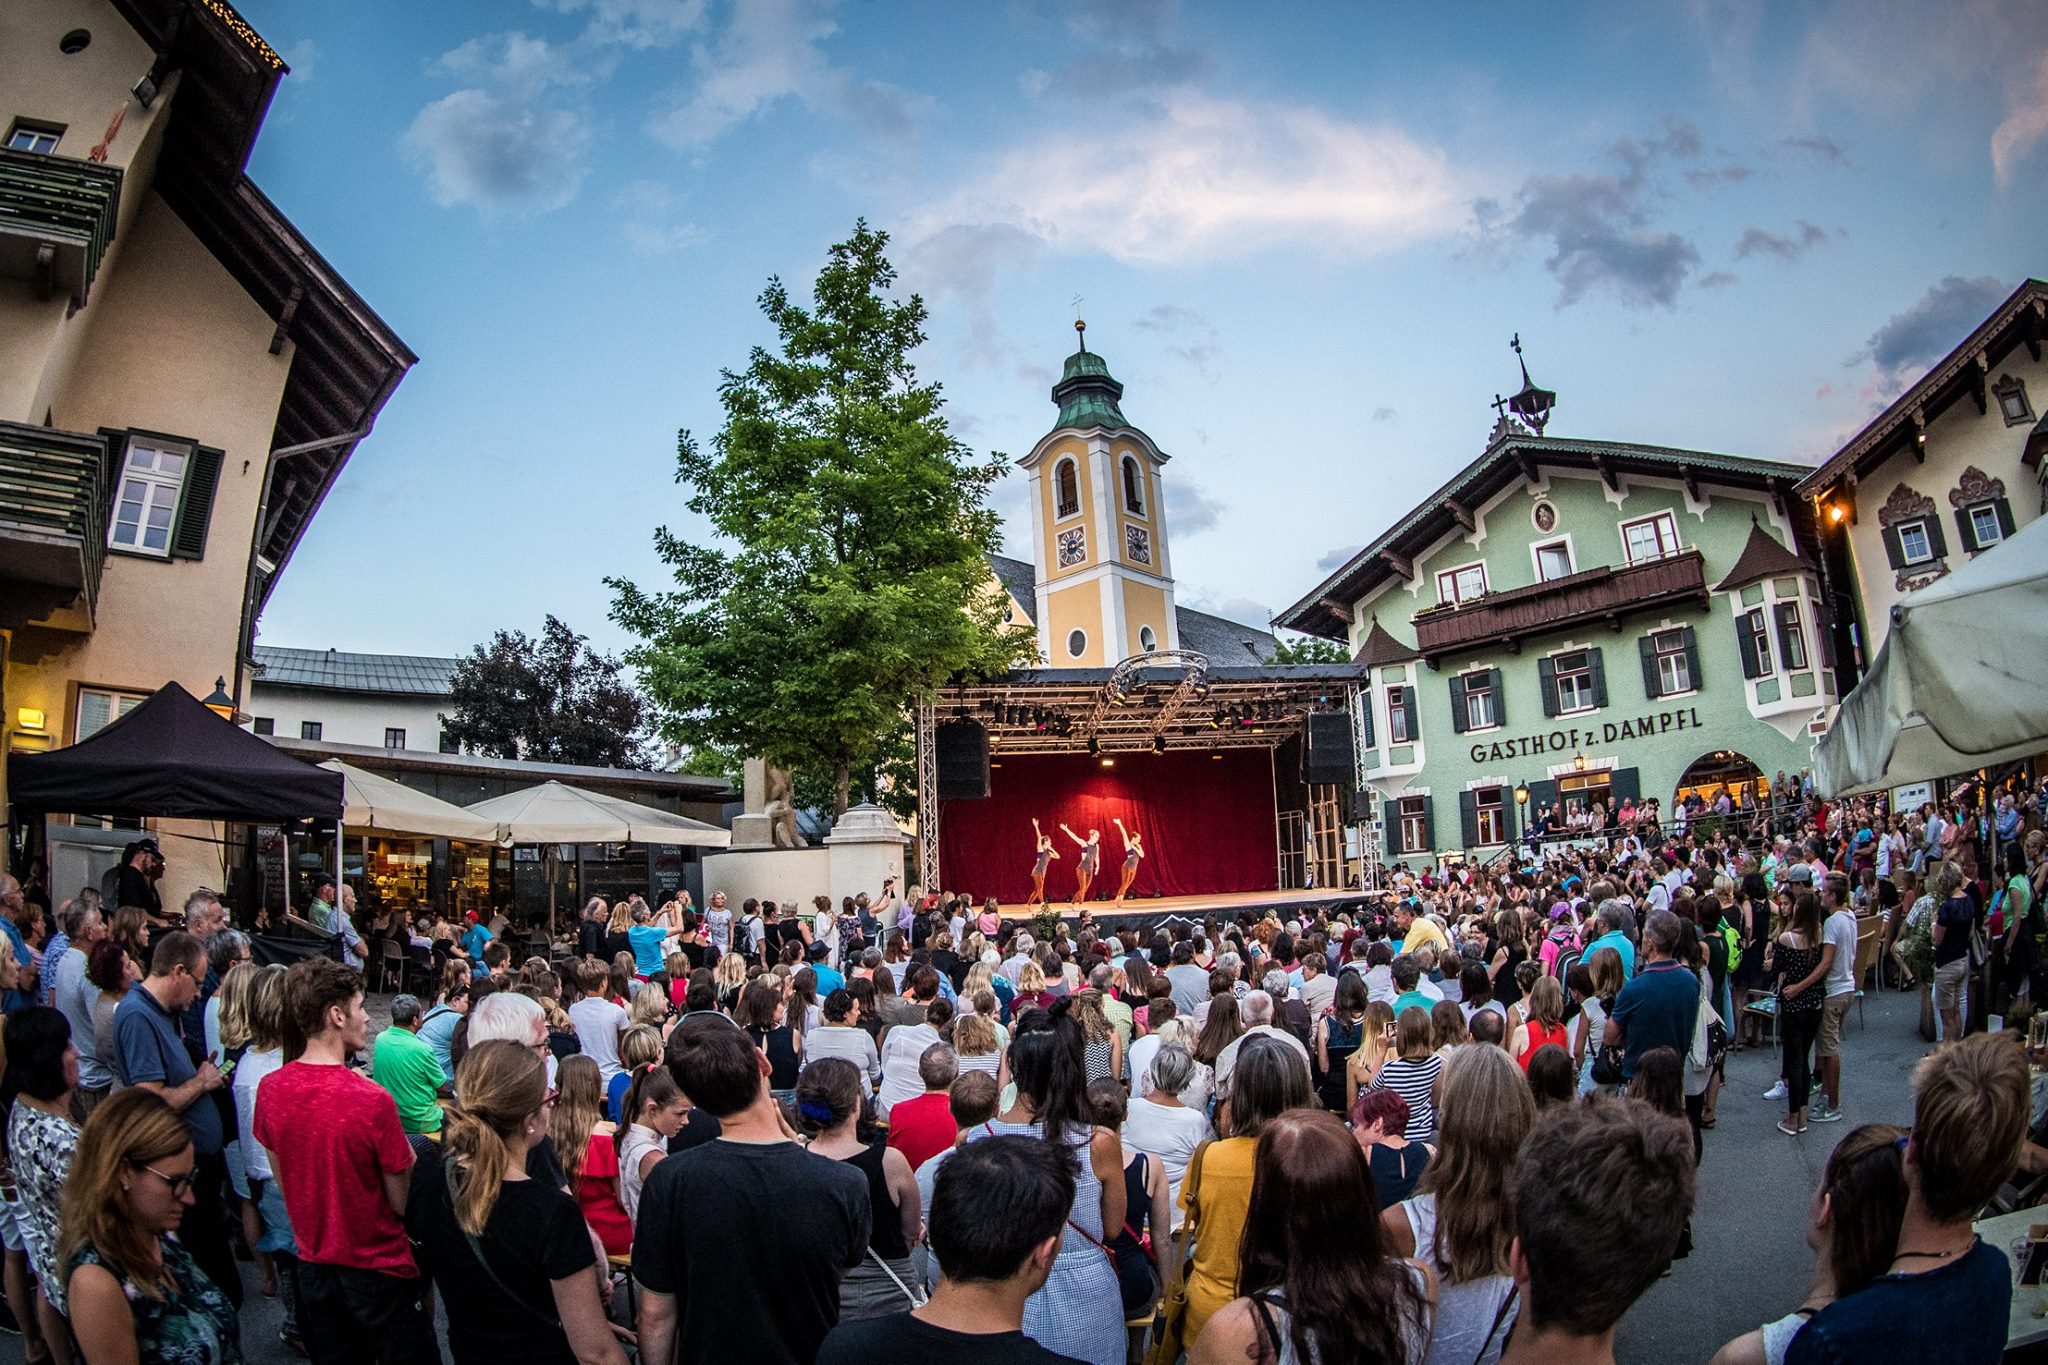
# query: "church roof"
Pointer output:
{"type": "Point", "coordinates": [1088, 394]}
{"type": "Point", "coordinates": [1381, 648]}
{"type": "Point", "coordinates": [1223, 640]}
{"type": "Point", "coordinates": [1763, 557]}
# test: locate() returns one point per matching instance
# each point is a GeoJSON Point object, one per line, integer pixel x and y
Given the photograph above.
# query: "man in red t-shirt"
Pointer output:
{"type": "Point", "coordinates": [344, 1167]}
{"type": "Point", "coordinates": [923, 1127]}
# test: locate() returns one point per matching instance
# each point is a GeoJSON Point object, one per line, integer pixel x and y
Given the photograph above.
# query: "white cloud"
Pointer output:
{"type": "Point", "coordinates": [1199, 178]}
{"type": "Point", "coordinates": [772, 50]}
{"type": "Point", "coordinates": [498, 154]}
{"type": "Point", "coordinates": [635, 23]}
{"type": "Point", "coordinates": [1189, 510]}
{"type": "Point", "coordinates": [653, 225]}
{"type": "Point", "coordinates": [2023, 127]}
{"type": "Point", "coordinates": [514, 64]}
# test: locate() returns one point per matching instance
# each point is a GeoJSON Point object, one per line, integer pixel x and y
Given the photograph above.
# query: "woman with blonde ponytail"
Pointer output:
{"type": "Point", "coordinates": [510, 1255]}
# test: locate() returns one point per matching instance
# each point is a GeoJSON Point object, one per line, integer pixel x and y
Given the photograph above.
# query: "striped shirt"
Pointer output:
{"type": "Point", "coordinates": [1413, 1082]}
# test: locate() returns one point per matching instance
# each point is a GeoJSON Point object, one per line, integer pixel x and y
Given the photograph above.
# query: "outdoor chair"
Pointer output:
{"type": "Point", "coordinates": [1764, 1004]}
{"type": "Point", "coordinates": [393, 955]}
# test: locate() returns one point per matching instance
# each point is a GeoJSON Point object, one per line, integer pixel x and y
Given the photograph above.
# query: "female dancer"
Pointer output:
{"type": "Point", "coordinates": [1046, 854]}
{"type": "Point", "coordinates": [1134, 852]}
{"type": "Point", "coordinates": [1090, 863]}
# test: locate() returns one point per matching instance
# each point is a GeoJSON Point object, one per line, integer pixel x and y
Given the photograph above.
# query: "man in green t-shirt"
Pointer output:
{"type": "Point", "coordinates": [408, 1069]}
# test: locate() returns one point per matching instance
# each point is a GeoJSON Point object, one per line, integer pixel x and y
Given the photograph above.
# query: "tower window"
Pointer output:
{"type": "Point", "coordinates": [1077, 643]}
{"type": "Point", "coordinates": [1066, 489]}
{"type": "Point", "coordinates": [1134, 488]}
{"type": "Point", "coordinates": [1148, 639]}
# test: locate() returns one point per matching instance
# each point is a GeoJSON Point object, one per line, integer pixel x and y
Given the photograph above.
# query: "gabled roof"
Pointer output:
{"type": "Point", "coordinates": [1513, 456]}
{"type": "Point", "coordinates": [332, 670]}
{"type": "Point", "coordinates": [1021, 579]}
{"type": "Point", "coordinates": [1223, 640]}
{"type": "Point", "coordinates": [1381, 648]}
{"type": "Point", "coordinates": [2022, 320]}
{"type": "Point", "coordinates": [1762, 557]}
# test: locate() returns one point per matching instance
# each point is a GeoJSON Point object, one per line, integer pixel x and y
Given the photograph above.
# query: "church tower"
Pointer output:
{"type": "Point", "coordinates": [1098, 526]}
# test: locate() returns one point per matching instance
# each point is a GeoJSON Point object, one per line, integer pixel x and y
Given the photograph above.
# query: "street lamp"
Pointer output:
{"type": "Point", "coordinates": [1522, 794]}
{"type": "Point", "coordinates": [219, 702]}
{"type": "Point", "coordinates": [1579, 762]}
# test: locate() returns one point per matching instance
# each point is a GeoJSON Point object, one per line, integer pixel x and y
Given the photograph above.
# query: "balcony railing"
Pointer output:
{"type": "Point", "coordinates": [57, 217]}
{"type": "Point", "coordinates": [53, 520]}
{"type": "Point", "coordinates": [1591, 597]}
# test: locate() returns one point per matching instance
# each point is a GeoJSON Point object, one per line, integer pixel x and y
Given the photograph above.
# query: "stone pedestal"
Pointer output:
{"type": "Point", "coordinates": [866, 847]}
{"type": "Point", "coordinates": [863, 849]}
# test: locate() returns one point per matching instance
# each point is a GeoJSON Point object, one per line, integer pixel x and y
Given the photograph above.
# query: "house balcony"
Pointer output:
{"type": "Point", "coordinates": [1592, 597]}
{"type": "Point", "coordinates": [54, 491]}
{"type": "Point", "coordinates": [57, 218]}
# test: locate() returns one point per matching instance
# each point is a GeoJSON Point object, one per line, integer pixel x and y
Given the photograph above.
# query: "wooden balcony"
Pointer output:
{"type": "Point", "coordinates": [57, 218]}
{"type": "Point", "coordinates": [1592, 597]}
{"type": "Point", "coordinates": [54, 491]}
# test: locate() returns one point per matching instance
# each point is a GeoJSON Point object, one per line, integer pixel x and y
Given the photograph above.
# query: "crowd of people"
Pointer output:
{"type": "Point", "coordinates": [1456, 1122]}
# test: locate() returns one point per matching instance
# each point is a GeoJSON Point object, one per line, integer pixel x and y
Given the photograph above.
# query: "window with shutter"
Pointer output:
{"type": "Point", "coordinates": [1752, 637]}
{"type": "Point", "coordinates": [1568, 683]}
{"type": "Point", "coordinates": [1416, 835]}
{"type": "Point", "coordinates": [100, 707]}
{"type": "Point", "coordinates": [1596, 665]}
{"type": "Point", "coordinates": [1653, 687]}
{"type": "Point", "coordinates": [1468, 818]}
{"type": "Point", "coordinates": [1791, 637]}
{"type": "Point", "coordinates": [1365, 705]}
{"type": "Point", "coordinates": [1546, 683]}
{"type": "Point", "coordinates": [1458, 704]}
{"type": "Point", "coordinates": [1390, 821]}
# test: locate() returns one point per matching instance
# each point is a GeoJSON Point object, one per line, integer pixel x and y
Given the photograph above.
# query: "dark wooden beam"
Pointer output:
{"type": "Point", "coordinates": [1460, 513]}
{"type": "Point", "coordinates": [1975, 382]}
{"type": "Point", "coordinates": [1692, 484]}
{"type": "Point", "coordinates": [2030, 331]}
{"type": "Point", "coordinates": [1400, 564]}
{"type": "Point", "coordinates": [1607, 474]}
{"type": "Point", "coordinates": [1339, 610]}
{"type": "Point", "coordinates": [1528, 465]}
{"type": "Point", "coordinates": [284, 318]}
{"type": "Point", "coordinates": [1916, 436]}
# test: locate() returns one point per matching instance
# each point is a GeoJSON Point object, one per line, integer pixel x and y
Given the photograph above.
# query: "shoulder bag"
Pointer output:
{"type": "Point", "coordinates": [1167, 1331]}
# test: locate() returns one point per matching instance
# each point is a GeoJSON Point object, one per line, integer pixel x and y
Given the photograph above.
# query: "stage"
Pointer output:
{"type": "Point", "coordinates": [1149, 912]}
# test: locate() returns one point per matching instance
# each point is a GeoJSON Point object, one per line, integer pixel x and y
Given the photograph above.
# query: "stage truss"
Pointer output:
{"type": "Point", "coordinates": [1155, 702]}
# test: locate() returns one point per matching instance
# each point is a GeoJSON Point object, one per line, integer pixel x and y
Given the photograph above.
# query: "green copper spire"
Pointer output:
{"type": "Point", "coordinates": [1086, 393]}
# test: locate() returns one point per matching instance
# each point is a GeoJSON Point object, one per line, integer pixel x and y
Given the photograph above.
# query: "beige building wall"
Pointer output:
{"type": "Point", "coordinates": [1077, 607]}
{"type": "Point", "coordinates": [1957, 439]}
{"type": "Point", "coordinates": [1144, 605]}
{"type": "Point", "coordinates": [1048, 485]}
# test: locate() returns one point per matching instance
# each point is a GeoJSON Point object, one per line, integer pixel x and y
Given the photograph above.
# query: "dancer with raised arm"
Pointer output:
{"type": "Point", "coordinates": [1134, 853]}
{"type": "Point", "coordinates": [1046, 855]}
{"type": "Point", "coordinates": [1090, 863]}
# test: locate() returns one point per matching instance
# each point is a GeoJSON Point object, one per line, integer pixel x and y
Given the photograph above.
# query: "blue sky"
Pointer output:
{"type": "Point", "coordinates": [1302, 236]}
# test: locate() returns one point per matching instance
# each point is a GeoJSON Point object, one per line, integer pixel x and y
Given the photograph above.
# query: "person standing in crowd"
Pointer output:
{"type": "Point", "coordinates": [1660, 1002]}
{"type": "Point", "coordinates": [132, 1289]}
{"type": "Point", "coordinates": [408, 1070]}
{"type": "Point", "coordinates": [1797, 958]}
{"type": "Point", "coordinates": [510, 1255]}
{"type": "Point", "coordinates": [726, 1273]}
{"type": "Point", "coordinates": [1318, 1276]}
{"type": "Point", "coordinates": [828, 1110]}
{"type": "Point", "coordinates": [1839, 934]}
{"type": "Point", "coordinates": [152, 1056]}
{"type": "Point", "coordinates": [841, 1036]}
{"type": "Point", "coordinates": [598, 1021]}
{"type": "Point", "coordinates": [654, 1112]}
{"type": "Point", "coordinates": [437, 1025]}
{"type": "Point", "coordinates": [587, 1144]}
{"type": "Point", "coordinates": [1454, 1224]}
{"type": "Point", "coordinates": [15, 913]}
{"type": "Point", "coordinates": [41, 1076]}
{"type": "Point", "coordinates": [1413, 1072]}
{"type": "Point", "coordinates": [74, 996]}
{"type": "Point", "coordinates": [904, 1045]}
{"type": "Point", "coordinates": [1955, 919]}
{"type": "Point", "coordinates": [1601, 1193]}
{"type": "Point", "coordinates": [268, 1021]}
{"type": "Point", "coordinates": [1852, 1226]}
{"type": "Point", "coordinates": [340, 1155]}
{"type": "Point", "coordinates": [1947, 1294]}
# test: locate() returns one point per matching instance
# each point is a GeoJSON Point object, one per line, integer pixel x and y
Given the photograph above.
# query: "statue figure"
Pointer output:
{"type": "Point", "coordinates": [780, 808]}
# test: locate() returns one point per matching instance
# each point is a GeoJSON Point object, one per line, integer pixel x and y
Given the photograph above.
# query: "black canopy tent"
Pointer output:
{"type": "Point", "coordinates": [171, 757]}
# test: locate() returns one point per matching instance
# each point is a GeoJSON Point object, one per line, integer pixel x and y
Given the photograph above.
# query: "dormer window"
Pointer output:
{"type": "Point", "coordinates": [1134, 488]}
{"type": "Point", "coordinates": [2011, 394]}
{"type": "Point", "coordinates": [1066, 489]}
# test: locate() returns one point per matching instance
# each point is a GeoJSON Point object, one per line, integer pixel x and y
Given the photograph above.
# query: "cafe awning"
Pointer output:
{"type": "Point", "coordinates": [370, 801]}
{"type": "Point", "coordinates": [554, 813]}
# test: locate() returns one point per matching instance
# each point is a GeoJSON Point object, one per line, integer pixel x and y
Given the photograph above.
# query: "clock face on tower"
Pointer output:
{"type": "Point", "coordinates": [1138, 544]}
{"type": "Point", "coordinates": [1073, 546]}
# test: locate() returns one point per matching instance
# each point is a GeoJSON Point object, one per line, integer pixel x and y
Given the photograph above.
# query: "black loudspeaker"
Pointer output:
{"type": "Point", "coordinates": [1327, 758]}
{"type": "Point", "coordinates": [963, 761]}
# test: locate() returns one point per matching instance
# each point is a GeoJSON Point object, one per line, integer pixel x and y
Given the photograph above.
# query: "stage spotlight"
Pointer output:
{"type": "Point", "coordinates": [1109, 763]}
{"type": "Point", "coordinates": [1215, 756]}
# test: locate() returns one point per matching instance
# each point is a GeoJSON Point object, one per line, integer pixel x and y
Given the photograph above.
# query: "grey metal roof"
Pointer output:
{"type": "Point", "coordinates": [1021, 578]}
{"type": "Point", "coordinates": [334, 671]}
{"type": "Point", "coordinates": [1223, 640]}
{"type": "Point", "coordinates": [419, 760]}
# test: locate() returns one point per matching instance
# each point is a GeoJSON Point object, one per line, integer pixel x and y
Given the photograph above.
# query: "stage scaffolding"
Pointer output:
{"type": "Point", "coordinates": [1165, 700]}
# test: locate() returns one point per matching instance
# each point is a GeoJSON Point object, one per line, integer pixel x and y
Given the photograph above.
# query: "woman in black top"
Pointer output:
{"type": "Point", "coordinates": [1139, 1273]}
{"type": "Point", "coordinates": [510, 1255]}
{"type": "Point", "coordinates": [762, 1013]}
{"type": "Point", "coordinates": [1795, 960]}
{"type": "Point", "coordinates": [828, 1106]}
{"type": "Point", "coordinates": [590, 932]}
{"type": "Point", "coordinates": [1507, 928]}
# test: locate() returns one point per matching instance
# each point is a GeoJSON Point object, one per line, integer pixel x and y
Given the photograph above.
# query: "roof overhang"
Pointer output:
{"type": "Point", "coordinates": [1036, 455]}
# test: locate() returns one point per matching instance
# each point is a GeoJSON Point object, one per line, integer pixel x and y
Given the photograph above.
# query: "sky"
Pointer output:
{"type": "Point", "coordinates": [1301, 236]}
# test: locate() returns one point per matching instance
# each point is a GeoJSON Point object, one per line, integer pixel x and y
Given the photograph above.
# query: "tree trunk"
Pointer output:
{"type": "Point", "coordinates": [842, 788]}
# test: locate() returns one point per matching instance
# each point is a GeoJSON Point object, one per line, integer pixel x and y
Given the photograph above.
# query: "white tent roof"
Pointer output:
{"type": "Point", "coordinates": [552, 813]}
{"type": "Point", "coordinates": [1957, 685]}
{"type": "Point", "coordinates": [371, 801]}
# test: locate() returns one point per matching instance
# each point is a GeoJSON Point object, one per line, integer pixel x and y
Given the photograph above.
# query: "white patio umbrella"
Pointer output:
{"type": "Point", "coordinates": [1957, 685]}
{"type": "Point", "coordinates": [370, 801]}
{"type": "Point", "coordinates": [552, 813]}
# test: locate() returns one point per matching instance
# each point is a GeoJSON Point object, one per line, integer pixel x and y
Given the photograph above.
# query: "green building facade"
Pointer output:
{"type": "Point", "coordinates": [1584, 622]}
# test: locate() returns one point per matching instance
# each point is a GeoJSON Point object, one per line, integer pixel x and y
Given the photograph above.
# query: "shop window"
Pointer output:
{"type": "Point", "coordinates": [100, 707]}
{"type": "Point", "coordinates": [1650, 538]}
{"type": "Point", "coordinates": [1753, 638]}
{"type": "Point", "coordinates": [1464, 584]}
{"type": "Point", "coordinates": [394, 737]}
{"type": "Point", "coordinates": [25, 136]}
{"type": "Point", "coordinates": [1134, 488]}
{"type": "Point", "coordinates": [1553, 561]}
{"type": "Point", "coordinates": [265, 725]}
{"type": "Point", "coordinates": [1489, 816]}
{"type": "Point", "coordinates": [1415, 823]}
{"type": "Point", "coordinates": [309, 729]}
{"type": "Point", "coordinates": [1791, 637]}
{"type": "Point", "coordinates": [1066, 484]}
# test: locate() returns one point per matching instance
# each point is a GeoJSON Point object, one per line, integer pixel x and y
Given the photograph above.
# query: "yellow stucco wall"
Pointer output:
{"type": "Point", "coordinates": [1144, 605]}
{"type": "Point", "coordinates": [1151, 521]}
{"type": "Point", "coordinates": [1047, 485]}
{"type": "Point", "coordinates": [1068, 609]}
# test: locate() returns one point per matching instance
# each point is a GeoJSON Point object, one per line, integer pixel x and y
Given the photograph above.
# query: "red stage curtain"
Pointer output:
{"type": "Point", "coordinates": [1207, 824]}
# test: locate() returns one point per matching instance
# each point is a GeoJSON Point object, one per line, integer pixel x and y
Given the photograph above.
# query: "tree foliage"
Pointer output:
{"type": "Point", "coordinates": [849, 569]}
{"type": "Point", "coordinates": [1309, 649]}
{"type": "Point", "coordinates": [552, 700]}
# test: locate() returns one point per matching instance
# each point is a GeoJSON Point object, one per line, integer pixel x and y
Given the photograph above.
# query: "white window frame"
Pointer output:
{"type": "Point", "coordinates": [1492, 720]}
{"type": "Point", "coordinates": [1581, 677]}
{"type": "Point", "coordinates": [1979, 514]}
{"type": "Point", "coordinates": [1563, 544]}
{"type": "Point", "coordinates": [1414, 824]}
{"type": "Point", "coordinates": [1131, 475]}
{"type": "Point", "coordinates": [1676, 658]}
{"type": "Point", "coordinates": [1395, 707]}
{"type": "Point", "coordinates": [1447, 590]}
{"type": "Point", "coordinates": [118, 702]}
{"type": "Point", "coordinates": [156, 489]}
{"type": "Point", "coordinates": [1058, 513]}
{"type": "Point", "coordinates": [1498, 812]}
{"type": "Point", "coordinates": [1797, 634]}
{"type": "Point", "coordinates": [1077, 634]}
{"type": "Point", "coordinates": [1760, 623]}
{"type": "Point", "coordinates": [1668, 544]}
{"type": "Point", "coordinates": [32, 133]}
{"type": "Point", "coordinates": [1917, 526]}
{"type": "Point", "coordinates": [1148, 639]}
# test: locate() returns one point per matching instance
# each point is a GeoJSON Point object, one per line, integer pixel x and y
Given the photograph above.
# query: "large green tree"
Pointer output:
{"type": "Point", "coordinates": [1308, 649]}
{"type": "Point", "coordinates": [553, 699]}
{"type": "Point", "coordinates": [847, 574]}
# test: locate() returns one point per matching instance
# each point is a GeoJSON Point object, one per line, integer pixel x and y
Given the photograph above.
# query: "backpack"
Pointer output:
{"type": "Point", "coordinates": [1728, 932]}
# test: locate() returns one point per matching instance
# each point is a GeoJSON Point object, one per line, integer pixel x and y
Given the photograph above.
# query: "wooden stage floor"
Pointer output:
{"type": "Point", "coordinates": [1224, 907]}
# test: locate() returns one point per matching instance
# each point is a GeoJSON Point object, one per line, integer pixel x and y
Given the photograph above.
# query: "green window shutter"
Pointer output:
{"type": "Point", "coordinates": [1546, 682]}
{"type": "Point", "coordinates": [1745, 640]}
{"type": "Point", "coordinates": [1625, 784]}
{"type": "Point", "coordinates": [1500, 697]}
{"type": "Point", "coordinates": [1599, 668]}
{"type": "Point", "coordinates": [1692, 656]}
{"type": "Point", "coordinates": [1468, 817]}
{"type": "Point", "coordinates": [1647, 647]}
{"type": "Point", "coordinates": [1365, 706]}
{"type": "Point", "coordinates": [1894, 553]}
{"type": "Point", "coordinates": [1428, 825]}
{"type": "Point", "coordinates": [1963, 531]}
{"type": "Point", "coordinates": [1413, 716]}
{"type": "Point", "coordinates": [1390, 816]}
{"type": "Point", "coordinates": [1458, 703]}
{"type": "Point", "coordinates": [2004, 510]}
{"type": "Point", "coordinates": [195, 504]}
{"type": "Point", "coordinates": [1937, 539]}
